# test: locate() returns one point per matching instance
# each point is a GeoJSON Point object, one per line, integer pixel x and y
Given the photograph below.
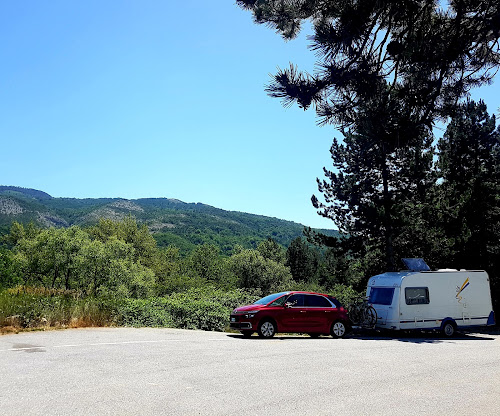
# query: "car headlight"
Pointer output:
{"type": "Point", "coordinates": [250, 314]}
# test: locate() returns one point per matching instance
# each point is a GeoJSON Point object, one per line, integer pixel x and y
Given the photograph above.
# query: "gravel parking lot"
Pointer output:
{"type": "Point", "coordinates": [125, 371]}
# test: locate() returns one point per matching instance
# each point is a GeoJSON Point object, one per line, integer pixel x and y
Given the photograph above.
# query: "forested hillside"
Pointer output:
{"type": "Point", "coordinates": [148, 262]}
{"type": "Point", "coordinates": [114, 272]}
{"type": "Point", "coordinates": [171, 221]}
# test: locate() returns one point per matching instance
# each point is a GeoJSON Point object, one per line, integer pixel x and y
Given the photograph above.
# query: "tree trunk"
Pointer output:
{"type": "Point", "coordinates": [388, 229]}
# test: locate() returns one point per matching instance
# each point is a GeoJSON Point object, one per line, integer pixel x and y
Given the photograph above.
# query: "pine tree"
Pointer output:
{"type": "Point", "coordinates": [469, 167]}
{"type": "Point", "coordinates": [428, 54]}
{"type": "Point", "coordinates": [386, 71]}
{"type": "Point", "coordinates": [303, 261]}
{"type": "Point", "coordinates": [368, 190]}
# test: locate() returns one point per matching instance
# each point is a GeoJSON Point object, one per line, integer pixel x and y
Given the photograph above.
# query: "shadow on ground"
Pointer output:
{"type": "Point", "coordinates": [416, 337]}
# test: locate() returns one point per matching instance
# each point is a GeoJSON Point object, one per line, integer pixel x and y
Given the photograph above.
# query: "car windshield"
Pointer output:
{"type": "Point", "coordinates": [270, 298]}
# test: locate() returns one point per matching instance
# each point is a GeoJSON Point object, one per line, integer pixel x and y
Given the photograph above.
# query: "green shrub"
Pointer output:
{"type": "Point", "coordinates": [345, 294]}
{"type": "Point", "coordinates": [143, 312]}
{"type": "Point", "coordinates": [205, 308]}
{"type": "Point", "coordinates": [27, 307]}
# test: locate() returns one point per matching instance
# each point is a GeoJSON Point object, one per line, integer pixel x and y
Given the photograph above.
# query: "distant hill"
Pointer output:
{"type": "Point", "coordinates": [16, 190]}
{"type": "Point", "coordinates": [171, 221]}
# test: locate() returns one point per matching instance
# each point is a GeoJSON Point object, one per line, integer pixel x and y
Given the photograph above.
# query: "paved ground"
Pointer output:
{"type": "Point", "coordinates": [122, 371]}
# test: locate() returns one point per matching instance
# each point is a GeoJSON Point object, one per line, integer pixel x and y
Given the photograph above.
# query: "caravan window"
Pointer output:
{"type": "Point", "coordinates": [417, 295]}
{"type": "Point", "coordinates": [381, 295]}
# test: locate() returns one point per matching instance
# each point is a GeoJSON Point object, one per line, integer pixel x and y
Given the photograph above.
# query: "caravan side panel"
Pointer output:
{"type": "Point", "coordinates": [428, 298]}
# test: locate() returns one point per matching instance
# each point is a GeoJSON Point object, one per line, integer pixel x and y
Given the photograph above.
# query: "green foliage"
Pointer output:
{"type": "Point", "coordinates": [270, 249]}
{"type": "Point", "coordinates": [204, 308]}
{"type": "Point", "coordinates": [144, 312]}
{"type": "Point", "coordinates": [377, 193]}
{"type": "Point", "coordinates": [302, 260]}
{"type": "Point", "coordinates": [252, 270]}
{"type": "Point", "coordinates": [171, 222]}
{"type": "Point", "coordinates": [335, 268]}
{"type": "Point", "coordinates": [469, 194]}
{"type": "Point", "coordinates": [345, 294]}
{"type": "Point", "coordinates": [70, 258]}
{"type": "Point", "coordinates": [206, 263]}
{"type": "Point", "coordinates": [8, 273]}
{"type": "Point", "coordinates": [26, 307]}
{"type": "Point", "coordinates": [414, 59]}
{"type": "Point", "coordinates": [128, 231]}
{"type": "Point", "coordinates": [17, 190]}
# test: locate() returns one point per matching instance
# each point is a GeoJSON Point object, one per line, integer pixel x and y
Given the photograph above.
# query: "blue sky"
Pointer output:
{"type": "Point", "coordinates": [154, 98]}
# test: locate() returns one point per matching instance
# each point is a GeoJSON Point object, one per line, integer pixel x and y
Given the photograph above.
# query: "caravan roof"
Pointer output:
{"type": "Point", "coordinates": [395, 279]}
{"type": "Point", "coordinates": [389, 279]}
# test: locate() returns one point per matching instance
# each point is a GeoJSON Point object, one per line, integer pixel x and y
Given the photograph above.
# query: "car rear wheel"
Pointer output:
{"type": "Point", "coordinates": [267, 329]}
{"type": "Point", "coordinates": [338, 330]}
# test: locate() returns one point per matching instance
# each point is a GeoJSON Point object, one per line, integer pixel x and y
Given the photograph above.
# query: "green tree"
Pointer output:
{"type": "Point", "coordinates": [71, 259]}
{"type": "Point", "coordinates": [8, 273]}
{"type": "Point", "coordinates": [270, 249]}
{"type": "Point", "coordinates": [386, 72]}
{"type": "Point", "coordinates": [371, 186]}
{"type": "Point", "coordinates": [48, 257]}
{"type": "Point", "coordinates": [205, 261]}
{"type": "Point", "coordinates": [19, 231]}
{"type": "Point", "coordinates": [176, 274]}
{"type": "Point", "coordinates": [127, 230]}
{"type": "Point", "coordinates": [254, 271]}
{"type": "Point", "coordinates": [303, 261]}
{"type": "Point", "coordinates": [108, 268]}
{"type": "Point", "coordinates": [337, 268]}
{"type": "Point", "coordinates": [469, 167]}
{"type": "Point", "coordinates": [428, 53]}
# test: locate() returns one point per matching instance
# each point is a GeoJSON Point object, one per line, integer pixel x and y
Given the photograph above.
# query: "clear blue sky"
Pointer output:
{"type": "Point", "coordinates": [157, 98]}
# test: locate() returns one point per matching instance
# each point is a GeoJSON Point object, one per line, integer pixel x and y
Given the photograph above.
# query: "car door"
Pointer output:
{"type": "Point", "coordinates": [293, 316]}
{"type": "Point", "coordinates": [320, 313]}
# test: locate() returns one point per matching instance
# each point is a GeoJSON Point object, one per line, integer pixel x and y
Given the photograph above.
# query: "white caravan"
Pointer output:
{"type": "Point", "coordinates": [422, 299]}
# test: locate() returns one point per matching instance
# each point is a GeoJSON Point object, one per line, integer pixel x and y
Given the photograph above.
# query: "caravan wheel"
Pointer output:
{"type": "Point", "coordinates": [449, 329]}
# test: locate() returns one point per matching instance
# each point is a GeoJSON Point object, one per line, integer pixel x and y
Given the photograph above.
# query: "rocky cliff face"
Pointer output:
{"type": "Point", "coordinates": [9, 206]}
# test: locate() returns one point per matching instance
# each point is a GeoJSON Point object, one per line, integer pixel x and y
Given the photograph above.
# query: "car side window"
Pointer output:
{"type": "Point", "coordinates": [296, 300]}
{"type": "Point", "coordinates": [316, 301]}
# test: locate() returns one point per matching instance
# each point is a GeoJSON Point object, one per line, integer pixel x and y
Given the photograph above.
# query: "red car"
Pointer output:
{"type": "Point", "coordinates": [299, 312]}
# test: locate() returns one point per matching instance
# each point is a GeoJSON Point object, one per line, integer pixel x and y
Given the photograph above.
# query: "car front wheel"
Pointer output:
{"type": "Point", "coordinates": [339, 329]}
{"type": "Point", "coordinates": [267, 329]}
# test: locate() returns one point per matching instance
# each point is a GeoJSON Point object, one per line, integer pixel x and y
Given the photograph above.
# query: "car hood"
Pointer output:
{"type": "Point", "coordinates": [247, 308]}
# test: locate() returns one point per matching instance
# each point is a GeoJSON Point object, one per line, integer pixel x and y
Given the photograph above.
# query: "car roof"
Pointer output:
{"type": "Point", "coordinates": [308, 293]}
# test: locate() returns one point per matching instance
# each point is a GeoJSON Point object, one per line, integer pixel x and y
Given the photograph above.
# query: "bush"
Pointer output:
{"type": "Point", "coordinates": [143, 312]}
{"type": "Point", "coordinates": [205, 308]}
{"type": "Point", "coordinates": [254, 271]}
{"type": "Point", "coordinates": [27, 307]}
{"type": "Point", "coordinates": [345, 294]}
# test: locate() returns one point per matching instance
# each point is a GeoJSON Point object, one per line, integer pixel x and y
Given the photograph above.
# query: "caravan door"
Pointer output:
{"type": "Point", "coordinates": [415, 308]}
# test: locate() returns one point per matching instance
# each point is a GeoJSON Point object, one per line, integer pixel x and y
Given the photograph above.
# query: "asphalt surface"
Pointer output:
{"type": "Point", "coordinates": [124, 371]}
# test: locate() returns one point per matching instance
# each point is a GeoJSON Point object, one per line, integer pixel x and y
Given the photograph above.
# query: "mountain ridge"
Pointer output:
{"type": "Point", "coordinates": [171, 221]}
